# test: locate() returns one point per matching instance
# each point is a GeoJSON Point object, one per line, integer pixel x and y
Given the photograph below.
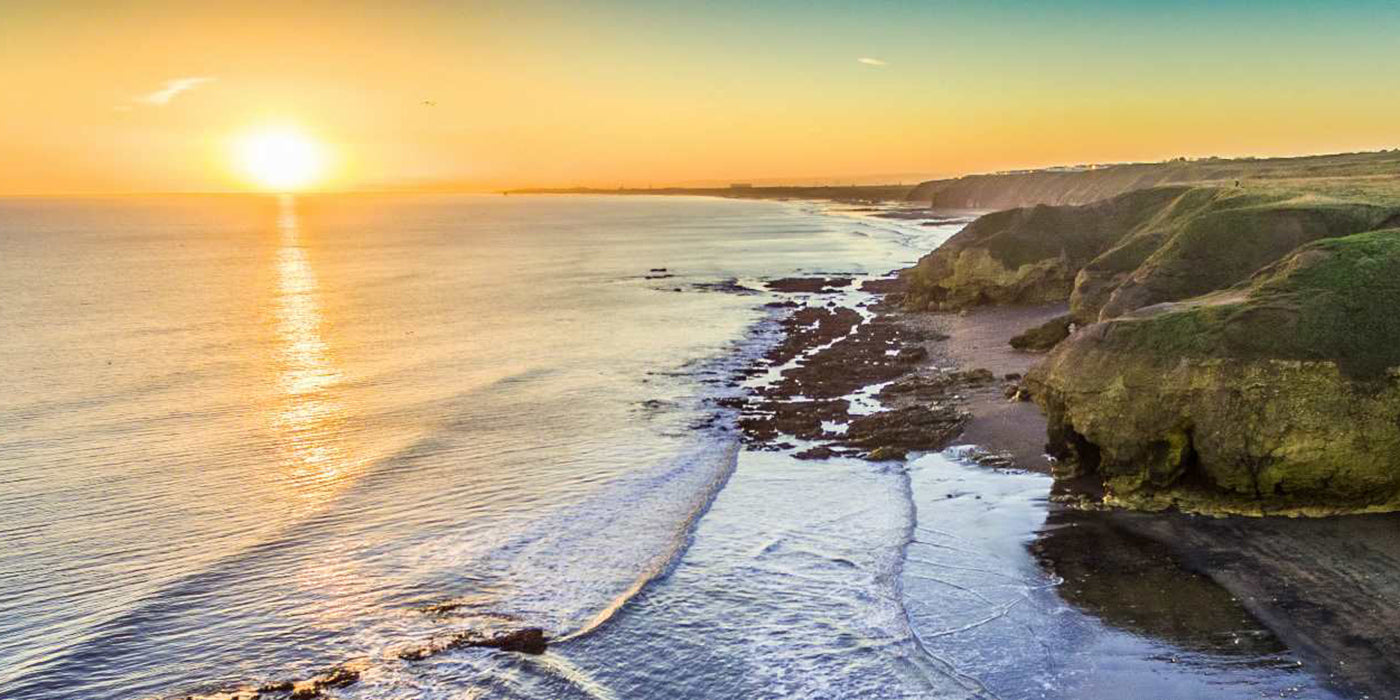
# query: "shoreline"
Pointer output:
{"type": "Point", "coordinates": [1324, 602]}
{"type": "Point", "coordinates": [1320, 585]}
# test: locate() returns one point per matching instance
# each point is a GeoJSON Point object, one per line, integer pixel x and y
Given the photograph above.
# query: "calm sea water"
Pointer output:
{"type": "Point", "coordinates": [244, 439]}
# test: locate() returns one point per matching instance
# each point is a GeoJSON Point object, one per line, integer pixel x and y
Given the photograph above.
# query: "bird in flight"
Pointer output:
{"type": "Point", "coordinates": [429, 103]}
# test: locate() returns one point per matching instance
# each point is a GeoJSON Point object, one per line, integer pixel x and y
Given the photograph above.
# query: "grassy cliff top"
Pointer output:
{"type": "Point", "coordinates": [1158, 244]}
{"type": "Point", "coordinates": [1083, 185]}
{"type": "Point", "coordinates": [1333, 299]}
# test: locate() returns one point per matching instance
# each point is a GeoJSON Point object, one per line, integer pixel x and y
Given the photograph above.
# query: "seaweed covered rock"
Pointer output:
{"type": "Point", "coordinates": [892, 434]}
{"type": "Point", "coordinates": [1280, 395]}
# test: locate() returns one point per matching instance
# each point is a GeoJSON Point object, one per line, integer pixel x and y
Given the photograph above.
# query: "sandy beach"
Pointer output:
{"type": "Point", "coordinates": [1257, 587]}
{"type": "Point", "coordinates": [1324, 586]}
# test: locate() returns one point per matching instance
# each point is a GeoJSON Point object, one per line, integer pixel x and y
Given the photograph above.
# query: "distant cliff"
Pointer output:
{"type": "Point", "coordinates": [1090, 183]}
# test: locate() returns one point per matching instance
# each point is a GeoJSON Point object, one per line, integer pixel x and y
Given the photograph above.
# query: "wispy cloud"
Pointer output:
{"type": "Point", "coordinates": [173, 88]}
{"type": "Point", "coordinates": [871, 61]}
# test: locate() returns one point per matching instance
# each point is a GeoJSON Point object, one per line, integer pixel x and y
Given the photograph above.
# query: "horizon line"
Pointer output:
{"type": "Point", "coordinates": [756, 183]}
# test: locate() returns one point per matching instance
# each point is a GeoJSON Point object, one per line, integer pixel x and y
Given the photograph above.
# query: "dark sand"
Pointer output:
{"type": "Point", "coordinates": [979, 340]}
{"type": "Point", "coordinates": [1327, 588]}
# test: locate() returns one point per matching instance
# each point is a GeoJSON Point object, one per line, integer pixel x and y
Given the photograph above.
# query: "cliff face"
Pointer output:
{"type": "Point", "coordinates": [1026, 255]}
{"type": "Point", "coordinates": [1140, 248]}
{"type": "Point", "coordinates": [1061, 187]}
{"type": "Point", "coordinates": [1280, 395]}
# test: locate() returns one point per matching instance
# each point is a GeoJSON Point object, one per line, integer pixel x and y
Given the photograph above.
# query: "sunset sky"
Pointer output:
{"type": "Point", "coordinates": [154, 96]}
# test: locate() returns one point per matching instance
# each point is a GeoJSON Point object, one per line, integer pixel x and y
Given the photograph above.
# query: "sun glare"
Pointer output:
{"type": "Point", "coordinates": [281, 160]}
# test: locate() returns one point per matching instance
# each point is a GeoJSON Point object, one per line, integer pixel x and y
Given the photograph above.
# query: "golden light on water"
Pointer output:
{"type": "Point", "coordinates": [310, 418]}
{"type": "Point", "coordinates": [281, 159]}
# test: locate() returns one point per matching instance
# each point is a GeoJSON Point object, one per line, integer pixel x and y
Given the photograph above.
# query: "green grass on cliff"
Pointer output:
{"type": "Point", "coordinates": [1016, 237]}
{"type": "Point", "coordinates": [1165, 243]}
{"type": "Point", "coordinates": [1080, 186]}
{"type": "Point", "coordinates": [1223, 241]}
{"type": "Point", "coordinates": [1336, 299]}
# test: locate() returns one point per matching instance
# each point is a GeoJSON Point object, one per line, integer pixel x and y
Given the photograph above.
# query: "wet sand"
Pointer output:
{"type": "Point", "coordinates": [979, 340]}
{"type": "Point", "coordinates": [1264, 591]}
{"type": "Point", "coordinates": [1327, 588]}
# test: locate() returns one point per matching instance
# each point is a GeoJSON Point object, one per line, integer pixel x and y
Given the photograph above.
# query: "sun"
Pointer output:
{"type": "Point", "coordinates": [280, 159]}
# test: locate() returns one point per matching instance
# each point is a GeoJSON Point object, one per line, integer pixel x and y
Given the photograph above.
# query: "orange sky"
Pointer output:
{"type": "Point", "coordinates": [609, 93]}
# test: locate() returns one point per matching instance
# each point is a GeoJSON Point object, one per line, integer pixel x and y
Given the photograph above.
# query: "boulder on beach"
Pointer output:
{"type": "Point", "coordinates": [1045, 336]}
{"type": "Point", "coordinates": [1279, 395]}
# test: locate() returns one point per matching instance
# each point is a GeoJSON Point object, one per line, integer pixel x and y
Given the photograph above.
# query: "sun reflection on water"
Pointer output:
{"type": "Point", "coordinates": [309, 416]}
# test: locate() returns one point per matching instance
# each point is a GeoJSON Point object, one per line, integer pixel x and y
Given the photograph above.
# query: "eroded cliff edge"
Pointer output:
{"type": "Point", "coordinates": [1227, 350]}
{"type": "Point", "coordinates": [1281, 395]}
{"type": "Point", "coordinates": [1136, 249]}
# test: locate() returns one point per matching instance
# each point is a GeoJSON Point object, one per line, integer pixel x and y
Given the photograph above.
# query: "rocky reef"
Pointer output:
{"type": "Point", "coordinates": [1279, 395]}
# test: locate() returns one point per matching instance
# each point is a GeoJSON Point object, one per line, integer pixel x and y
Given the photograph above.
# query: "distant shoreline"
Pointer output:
{"type": "Point", "coordinates": [857, 194]}
{"type": "Point", "coordinates": [1058, 185]}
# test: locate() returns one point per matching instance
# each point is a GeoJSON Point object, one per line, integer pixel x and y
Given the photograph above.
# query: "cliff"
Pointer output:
{"type": "Point", "coordinates": [1133, 250]}
{"type": "Point", "coordinates": [1087, 184]}
{"type": "Point", "coordinates": [1279, 395]}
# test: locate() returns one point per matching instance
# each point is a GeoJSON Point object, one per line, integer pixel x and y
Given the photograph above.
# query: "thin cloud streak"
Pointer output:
{"type": "Point", "coordinates": [173, 88]}
{"type": "Point", "coordinates": [871, 61]}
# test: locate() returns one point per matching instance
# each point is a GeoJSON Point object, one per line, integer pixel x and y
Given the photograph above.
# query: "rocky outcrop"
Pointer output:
{"type": "Point", "coordinates": [1026, 256]}
{"type": "Point", "coordinates": [893, 434]}
{"type": "Point", "coordinates": [1134, 250]}
{"type": "Point", "coordinates": [1280, 395]}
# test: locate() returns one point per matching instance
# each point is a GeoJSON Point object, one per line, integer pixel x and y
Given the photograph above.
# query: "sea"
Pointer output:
{"type": "Point", "coordinates": [249, 439]}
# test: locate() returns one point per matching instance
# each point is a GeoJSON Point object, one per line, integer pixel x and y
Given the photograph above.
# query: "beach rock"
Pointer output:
{"type": "Point", "coordinates": [1045, 336]}
{"type": "Point", "coordinates": [530, 640]}
{"type": "Point", "coordinates": [911, 355]}
{"type": "Point", "coordinates": [976, 376]}
{"type": "Point", "coordinates": [886, 454]}
{"type": "Point", "coordinates": [1016, 392]}
{"type": "Point", "coordinates": [729, 286]}
{"type": "Point", "coordinates": [891, 285]}
{"type": "Point", "coordinates": [1279, 396]}
{"type": "Point", "coordinates": [338, 677]}
{"type": "Point", "coordinates": [810, 285]}
{"type": "Point", "coordinates": [798, 418]}
{"type": "Point", "coordinates": [924, 387]}
{"type": "Point", "coordinates": [818, 452]}
{"type": "Point", "coordinates": [985, 458]}
{"type": "Point", "coordinates": [924, 428]}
